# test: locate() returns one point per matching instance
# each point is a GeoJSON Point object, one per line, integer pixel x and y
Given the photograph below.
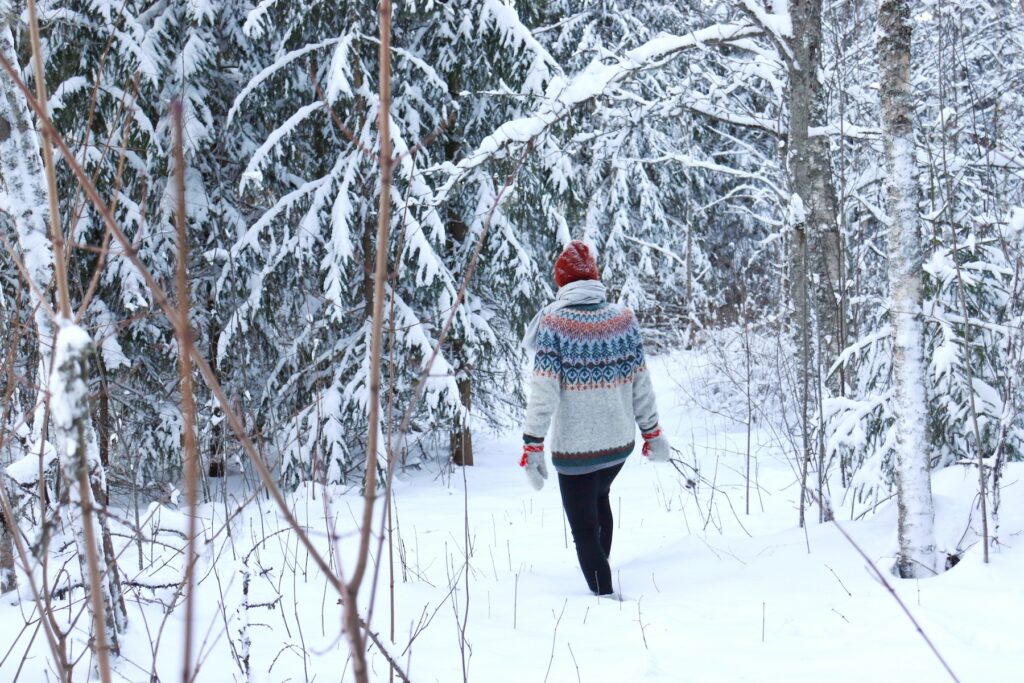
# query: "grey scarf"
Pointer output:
{"type": "Point", "coordinates": [572, 294]}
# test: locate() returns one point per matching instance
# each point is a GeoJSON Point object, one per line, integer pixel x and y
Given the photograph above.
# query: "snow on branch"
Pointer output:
{"type": "Point", "coordinates": [255, 23]}
{"type": "Point", "coordinates": [845, 129]}
{"type": "Point", "coordinates": [251, 171]}
{"type": "Point", "coordinates": [563, 96]}
{"type": "Point", "coordinates": [67, 88]}
{"type": "Point", "coordinates": [851, 351]}
{"type": "Point", "coordinates": [279, 64]}
{"type": "Point", "coordinates": [69, 398]}
{"type": "Point", "coordinates": [507, 22]}
{"type": "Point", "coordinates": [778, 23]}
{"type": "Point", "coordinates": [1016, 222]}
{"type": "Point", "coordinates": [762, 121]}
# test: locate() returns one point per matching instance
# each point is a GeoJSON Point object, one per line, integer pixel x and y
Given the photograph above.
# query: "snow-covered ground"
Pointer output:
{"type": "Point", "coordinates": [708, 593]}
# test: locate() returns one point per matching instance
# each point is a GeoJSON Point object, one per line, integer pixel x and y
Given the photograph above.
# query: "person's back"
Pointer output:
{"type": "Point", "coordinates": [590, 386]}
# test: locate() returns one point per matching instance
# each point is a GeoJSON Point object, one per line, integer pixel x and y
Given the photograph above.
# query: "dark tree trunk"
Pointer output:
{"type": "Point", "coordinates": [816, 257]}
{"type": "Point", "coordinates": [103, 421]}
{"type": "Point", "coordinates": [8, 577]}
{"type": "Point", "coordinates": [215, 464]}
{"type": "Point", "coordinates": [461, 441]}
{"type": "Point", "coordinates": [461, 435]}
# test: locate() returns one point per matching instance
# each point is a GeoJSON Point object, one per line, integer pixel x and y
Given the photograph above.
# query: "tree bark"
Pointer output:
{"type": "Point", "coordinates": [810, 169]}
{"type": "Point", "coordinates": [462, 435]}
{"type": "Point", "coordinates": [815, 256]}
{"type": "Point", "coordinates": [913, 464]}
{"type": "Point", "coordinates": [8, 576]}
{"type": "Point", "coordinates": [215, 466]}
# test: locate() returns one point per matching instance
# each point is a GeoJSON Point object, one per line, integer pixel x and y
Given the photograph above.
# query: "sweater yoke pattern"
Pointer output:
{"type": "Point", "coordinates": [594, 346]}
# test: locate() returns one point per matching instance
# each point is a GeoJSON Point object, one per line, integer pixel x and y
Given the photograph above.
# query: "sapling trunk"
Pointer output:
{"type": "Point", "coordinates": [968, 341]}
{"type": "Point", "coordinates": [353, 630]}
{"type": "Point", "coordinates": [80, 465]}
{"type": "Point", "coordinates": [183, 331]}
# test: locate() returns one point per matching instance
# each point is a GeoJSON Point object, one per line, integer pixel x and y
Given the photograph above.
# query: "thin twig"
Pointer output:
{"type": "Point", "coordinates": [554, 639]}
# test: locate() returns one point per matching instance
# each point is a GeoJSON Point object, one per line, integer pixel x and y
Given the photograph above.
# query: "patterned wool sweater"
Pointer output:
{"type": "Point", "coordinates": [591, 386]}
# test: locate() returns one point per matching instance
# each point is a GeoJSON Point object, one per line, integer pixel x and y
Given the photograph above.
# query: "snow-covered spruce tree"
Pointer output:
{"type": "Point", "coordinates": [649, 168]}
{"type": "Point", "coordinates": [107, 104]}
{"type": "Point", "coordinates": [972, 178]}
{"type": "Point", "coordinates": [119, 66]}
{"type": "Point", "coordinates": [65, 396]}
{"type": "Point", "coordinates": [90, 68]}
{"type": "Point", "coordinates": [309, 254]}
{"type": "Point", "coordinates": [912, 449]}
{"type": "Point", "coordinates": [200, 49]}
{"type": "Point", "coordinates": [25, 220]}
{"type": "Point", "coordinates": [482, 94]}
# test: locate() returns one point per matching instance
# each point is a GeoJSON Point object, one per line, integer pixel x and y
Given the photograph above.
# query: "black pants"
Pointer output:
{"type": "Point", "coordinates": [585, 499]}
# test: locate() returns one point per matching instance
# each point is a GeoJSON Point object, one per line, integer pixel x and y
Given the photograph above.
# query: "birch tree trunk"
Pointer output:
{"type": "Point", "coordinates": [913, 464]}
{"type": "Point", "coordinates": [80, 464]}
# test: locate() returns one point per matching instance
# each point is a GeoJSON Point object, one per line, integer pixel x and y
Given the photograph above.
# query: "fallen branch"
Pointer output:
{"type": "Point", "coordinates": [895, 596]}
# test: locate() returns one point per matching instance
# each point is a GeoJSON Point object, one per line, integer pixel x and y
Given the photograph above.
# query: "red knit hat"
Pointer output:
{"type": "Point", "coordinates": [575, 263]}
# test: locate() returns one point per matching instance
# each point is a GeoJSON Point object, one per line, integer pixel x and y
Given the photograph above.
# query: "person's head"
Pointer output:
{"type": "Point", "coordinates": [575, 263]}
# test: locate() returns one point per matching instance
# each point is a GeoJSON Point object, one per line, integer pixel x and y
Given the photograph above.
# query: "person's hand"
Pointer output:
{"type": "Point", "coordinates": [656, 448]}
{"type": "Point", "coordinates": [534, 465]}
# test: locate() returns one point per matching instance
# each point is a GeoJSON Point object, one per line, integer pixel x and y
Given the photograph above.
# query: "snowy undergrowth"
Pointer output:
{"type": "Point", "coordinates": [709, 593]}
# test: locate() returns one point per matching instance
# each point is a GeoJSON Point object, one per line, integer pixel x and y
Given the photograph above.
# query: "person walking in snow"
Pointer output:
{"type": "Point", "coordinates": [590, 385]}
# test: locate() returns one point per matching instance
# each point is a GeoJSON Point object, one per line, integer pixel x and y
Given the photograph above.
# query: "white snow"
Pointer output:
{"type": "Point", "coordinates": [1017, 222]}
{"type": "Point", "coordinates": [273, 68]}
{"type": "Point", "coordinates": [274, 138]}
{"type": "Point", "coordinates": [66, 88]}
{"type": "Point", "coordinates": [68, 395]}
{"type": "Point", "coordinates": [708, 592]}
{"type": "Point", "coordinates": [25, 470]}
{"type": "Point", "coordinates": [254, 25]}
{"type": "Point", "coordinates": [779, 22]}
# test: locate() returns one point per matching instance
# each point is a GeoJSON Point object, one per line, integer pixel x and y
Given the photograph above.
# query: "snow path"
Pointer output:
{"type": "Point", "coordinates": [698, 605]}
